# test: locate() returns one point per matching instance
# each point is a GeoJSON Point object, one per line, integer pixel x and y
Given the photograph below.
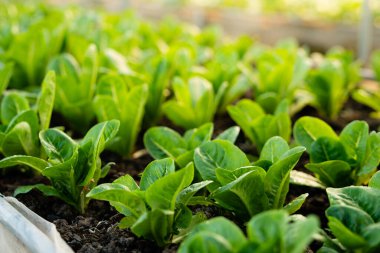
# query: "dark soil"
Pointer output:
{"type": "Point", "coordinates": [97, 230]}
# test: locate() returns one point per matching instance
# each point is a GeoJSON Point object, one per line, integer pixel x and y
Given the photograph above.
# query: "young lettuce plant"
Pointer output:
{"type": "Point", "coordinates": [21, 124]}
{"type": "Point", "coordinates": [350, 158]}
{"type": "Point", "coordinates": [32, 49]}
{"type": "Point", "coordinates": [280, 73]}
{"type": "Point", "coordinates": [194, 104]}
{"type": "Point", "coordinates": [163, 142]}
{"type": "Point", "coordinates": [270, 231]}
{"type": "Point", "coordinates": [259, 126]}
{"type": "Point", "coordinates": [330, 85]}
{"type": "Point", "coordinates": [73, 168]}
{"type": "Point", "coordinates": [76, 87]}
{"type": "Point", "coordinates": [157, 208]}
{"type": "Point", "coordinates": [354, 218]}
{"type": "Point", "coordinates": [114, 100]}
{"type": "Point", "coordinates": [370, 95]}
{"type": "Point", "coordinates": [233, 176]}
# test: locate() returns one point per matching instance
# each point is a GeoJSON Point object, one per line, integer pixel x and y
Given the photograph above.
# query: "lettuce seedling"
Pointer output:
{"type": "Point", "coordinates": [194, 104]}
{"type": "Point", "coordinates": [32, 49]}
{"type": "Point", "coordinates": [350, 158]}
{"type": "Point", "coordinates": [354, 219]}
{"type": "Point", "coordinates": [72, 167]}
{"type": "Point", "coordinates": [157, 209]}
{"type": "Point", "coordinates": [21, 124]}
{"type": "Point", "coordinates": [163, 142]}
{"type": "Point", "coordinates": [76, 87]}
{"type": "Point", "coordinates": [331, 83]}
{"type": "Point", "coordinates": [280, 73]}
{"type": "Point", "coordinates": [370, 95]}
{"type": "Point", "coordinates": [259, 126]}
{"type": "Point", "coordinates": [114, 100]}
{"type": "Point", "coordinates": [270, 231]}
{"type": "Point", "coordinates": [233, 176]}
{"type": "Point", "coordinates": [370, 98]}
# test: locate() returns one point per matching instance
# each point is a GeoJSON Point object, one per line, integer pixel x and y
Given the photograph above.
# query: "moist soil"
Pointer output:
{"type": "Point", "coordinates": [97, 230]}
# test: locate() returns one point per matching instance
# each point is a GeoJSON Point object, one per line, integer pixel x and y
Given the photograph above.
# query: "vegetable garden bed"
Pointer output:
{"type": "Point", "coordinates": [136, 138]}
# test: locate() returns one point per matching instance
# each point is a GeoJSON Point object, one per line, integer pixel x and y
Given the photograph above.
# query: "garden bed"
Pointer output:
{"type": "Point", "coordinates": [97, 230]}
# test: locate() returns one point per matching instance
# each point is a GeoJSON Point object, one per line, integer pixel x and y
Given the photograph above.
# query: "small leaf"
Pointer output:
{"type": "Point", "coordinates": [273, 149]}
{"type": "Point", "coordinates": [296, 204]}
{"type": "Point", "coordinates": [229, 134]}
{"type": "Point", "coordinates": [332, 173]}
{"type": "Point", "coordinates": [162, 194]}
{"type": "Point", "coordinates": [162, 142]}
{"type": "Point", "coordinates": [45, 101]}
{"type": "Point", "coordinates": [156, 170]}
{"type": "Point", "coordinates": [33, 162]}
{"type": "Point", "coordinates": [308, 129]}
{"type": "Point", "coordinates": [278, 175]}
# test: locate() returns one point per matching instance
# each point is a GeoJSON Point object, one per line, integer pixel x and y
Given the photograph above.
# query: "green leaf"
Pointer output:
{"type": "Point", "coordinates": [20, 140]}
{"type": "Point", "coordinates": [5, 76]}
{"type": "Point", "coordinates": [267, 231]}
{"type": "Point", "coordinates": [327, 149]}
{"type": "Point", "coordinates": [93, 144]}
{"type": "Point", "coordinates": [197, 136]}
{"type": "Point", "coordinates": [300, 234]}
{"type": "Point", "coordinates": [186, 194]}
{"type": "Point", "coordinates": [11, 105]}
{"type": "Point", "coordinates": [332, 173]}
{"type": "Point", "coordinates": [162, 194]}
{"type": "Point", "coordinates": [30, 161]}
{"type": "Point", "coordinates": [218, 154]}
{"type": "Point", "coordinates": [243, 113]}
{"type": "Point", "coordinates": [215, 235]}
{"type": "Point", "coordinates": [229, 134]}
{"type": "Point", "coordinates": [127, 181]}
{"type": "Point", "coordinates": [162, 142]}
{"type": "Point", "coordinates": [240, 197]}
{"type": "Point", "coordinates": [354, 138]}
{"type": "Point", "coordinates": [375, 181]}
{"type": "Point", "coordinates": [120, 196]}
{"type": "Point", "coordinates": [296, 204]}
{"type": "Point", "coordinates": [156, 170]}
{"type": "Point", "coordinates": [58, 146]}
{"type": "Point", "coordinates": [308, 129]}
{"type": "Point", "coordinates": [47, 190]}
{"type": "Point", "coordinates": [278, 175]}
{"type": "Point", "coordinates": [305, 179]}
{"type": "Point", "coordinates": [273, 149]}
{"type": "Point", "coordinates": [45, 101]}
{"type": "Point", "coordinates": [372, 156]}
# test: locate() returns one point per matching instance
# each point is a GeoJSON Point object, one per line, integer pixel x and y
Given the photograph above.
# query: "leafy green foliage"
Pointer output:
{"type": "Point", "coordinates": [73, 168]}
{"type": "Point", "coordinates": [331, 83]}
{"type": "Point", "coordinates": [113, 100]}
{"type": "Point", "coordinates": [233, 176]}
{"type": "Point", "coordinates": [350, 158]}
{"type": "Point", "coordinates": [32, 49]}
{"type": "Point", "coordinates": [354, 219]}
{"type": "Point", "coordinates": [280, 73]}
{"type": "Point", "coordinates": [259, 126]}
{"type": "Point", "coordinates": [195, 103]}
{"type": "Point", "coordinates": [157, 209]}
{"type": "Point", "coordinates": [21, 124]}
{"type": "Point", "coordinates": [270, 231]}
{"type": "Point", "coordinates": [162, 142]}
{"type": "Point", "coordinates": [369, 95]}
{"type": "Point", "coordinates": [76, 87]}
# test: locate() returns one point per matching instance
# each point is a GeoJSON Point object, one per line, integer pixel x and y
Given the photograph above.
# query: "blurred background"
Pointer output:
{"type": "Point", "coordinates": [319, 24]}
